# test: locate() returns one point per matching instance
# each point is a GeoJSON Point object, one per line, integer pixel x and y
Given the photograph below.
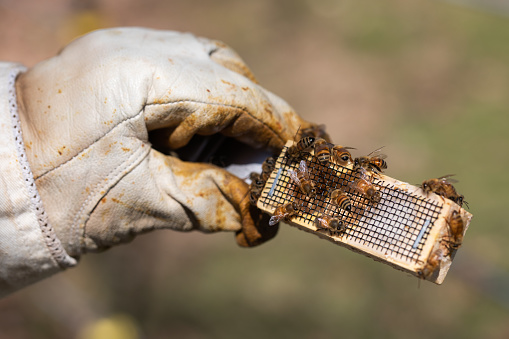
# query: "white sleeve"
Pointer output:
{"type": "Point", "coordinates": [29, 248]}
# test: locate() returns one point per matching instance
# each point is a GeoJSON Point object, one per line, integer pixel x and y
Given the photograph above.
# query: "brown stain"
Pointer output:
{"type": "Point", "coordinates": [59, 91]}
{"type": "Point", "coordinates": [83, 155]}
{"type": "Point", "coordinates": [268, 108]}
{"type": "Point", "coordinates": [136, 209]}
{"type": "Point", "coordinates": [220, 215]}
{"type": "Point", "coordinates": [61, 150]}
{"type": "Point", "coordinates": [231, 86]}
{"type": "Point", "coordinates": [125, 149]}
{"type": "Point", "coordinates": [191, 174]}
{"type": "Point", "coordinates": [160, 101]}
{"type": "Point", "coordinates": [103, 200]}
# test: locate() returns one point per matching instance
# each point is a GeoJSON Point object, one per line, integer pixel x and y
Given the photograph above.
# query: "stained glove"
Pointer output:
{"type": "Point", "coordinates": [86, 115]}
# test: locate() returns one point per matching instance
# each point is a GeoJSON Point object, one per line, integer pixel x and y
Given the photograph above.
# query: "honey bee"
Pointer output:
{"type": "Point", "coordinates": [332, 224]}
{"type": "Point", "coordinates": [256, 187]}
{"type": "Point", "coordinates": [284, 212]}
{"type": "Point", "coordinates": [460, 200]}
{"type": "Point", "coordinates": [340, 198]}
{"type": "Point", "coordinates": [322, 151]}
{"type": "Point", "coordinates": [365, 188]}
{"type": "Point", "coordinates": [443, 187]}
{"type": "Point", "coordinates": [253, 176]}
{"type": "Point", "coordinates": [296, 150]}
{"type": "Point", "coordinates": [341, 155]}
{"type": "Point", "coordinates": [374, 161]}
{"type": "Point", "coordinates": [301, 179]}
{"type": "Point", "coordinates": [267, 168]}
{"type": "Point", "coordinates": [432, 264]}
{"type": "Point", "coordinates": [456, 229]}
{"type": "Point", "coordinates": [253, 197]}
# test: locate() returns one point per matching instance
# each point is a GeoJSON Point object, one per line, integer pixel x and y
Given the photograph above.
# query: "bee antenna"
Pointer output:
{"type": "Point", "coordinates": [297, 133]}
{"type": "Point", "coordinates": [417, 188]}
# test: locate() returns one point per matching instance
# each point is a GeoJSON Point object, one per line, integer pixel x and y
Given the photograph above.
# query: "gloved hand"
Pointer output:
{"type": "Point", "coordinates": [86, 115]}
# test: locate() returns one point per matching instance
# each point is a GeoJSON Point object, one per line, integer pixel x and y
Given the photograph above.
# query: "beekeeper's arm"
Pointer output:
{"type": "Point", "coordinates": [77, 172]}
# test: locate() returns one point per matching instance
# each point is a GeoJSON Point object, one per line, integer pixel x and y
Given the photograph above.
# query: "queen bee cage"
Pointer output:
{"type": "Point", "coordinates": [404, 229]}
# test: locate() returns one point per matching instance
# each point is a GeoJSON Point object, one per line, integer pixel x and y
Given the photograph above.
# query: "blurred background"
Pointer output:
{"type": "Point", "coordinates": [427, 79]}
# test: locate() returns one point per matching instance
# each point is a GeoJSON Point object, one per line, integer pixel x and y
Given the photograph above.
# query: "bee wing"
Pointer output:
{"type": "Point", "coordinates": [448, 178]}
{"type": "Point", "coordinates": [303, 168]}
{"type": "Point", "coordinates": [294, 176]}
{"type": "Point", "coordinates": [363, 173]}
{"type": "Point", "coordinates": [339, 147]}
{"type": "Point", "coordinates": [339, 190]}
{"type": "Point", "coordinates": [352, 185]}
{"type": "Point", "coordinates": [380, 156]}
{"type": "Point", "coordinates": [273, 220]}
{"type": "Point", "coordinates": [318, 224]}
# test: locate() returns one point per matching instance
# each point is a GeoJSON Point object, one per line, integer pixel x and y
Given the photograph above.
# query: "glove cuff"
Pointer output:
{"type": "Point", "coordinates": [36, 235]}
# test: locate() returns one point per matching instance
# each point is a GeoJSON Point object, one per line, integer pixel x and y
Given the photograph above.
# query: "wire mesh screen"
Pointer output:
{"type": "Point", "coordinates": [395, 228]}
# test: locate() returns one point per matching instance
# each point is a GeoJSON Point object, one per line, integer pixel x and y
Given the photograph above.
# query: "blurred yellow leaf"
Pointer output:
{"type": "Point", "coordinates": [118, 326]}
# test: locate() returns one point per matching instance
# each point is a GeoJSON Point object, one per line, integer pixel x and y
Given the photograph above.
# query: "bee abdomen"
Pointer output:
{"type": "Point", "coordinates": [344, 202]}
{"type": "Point", "coordinates": [323, 157]}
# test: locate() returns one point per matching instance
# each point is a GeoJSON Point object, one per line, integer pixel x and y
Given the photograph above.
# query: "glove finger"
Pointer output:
{"type": "Point", "coordinates": [209, 89]}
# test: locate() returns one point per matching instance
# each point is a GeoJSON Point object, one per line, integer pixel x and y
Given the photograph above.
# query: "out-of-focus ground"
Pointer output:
{"type": "Point", "coordinates": [427, 79]}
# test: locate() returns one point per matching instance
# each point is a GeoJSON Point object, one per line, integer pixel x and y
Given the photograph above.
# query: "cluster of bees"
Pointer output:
{"type": "Point", "coordinates": [452, 242]}
{"type": "Point", "coordinates": [456, 226]}
{"type": "Point", "coordinates": [364, 169]}
{"type": "Point", "coordinates": [324, 152]}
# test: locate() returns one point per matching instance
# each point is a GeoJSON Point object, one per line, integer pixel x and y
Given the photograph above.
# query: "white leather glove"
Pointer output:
{"type": "Point", "coordinates": [86, 115]}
